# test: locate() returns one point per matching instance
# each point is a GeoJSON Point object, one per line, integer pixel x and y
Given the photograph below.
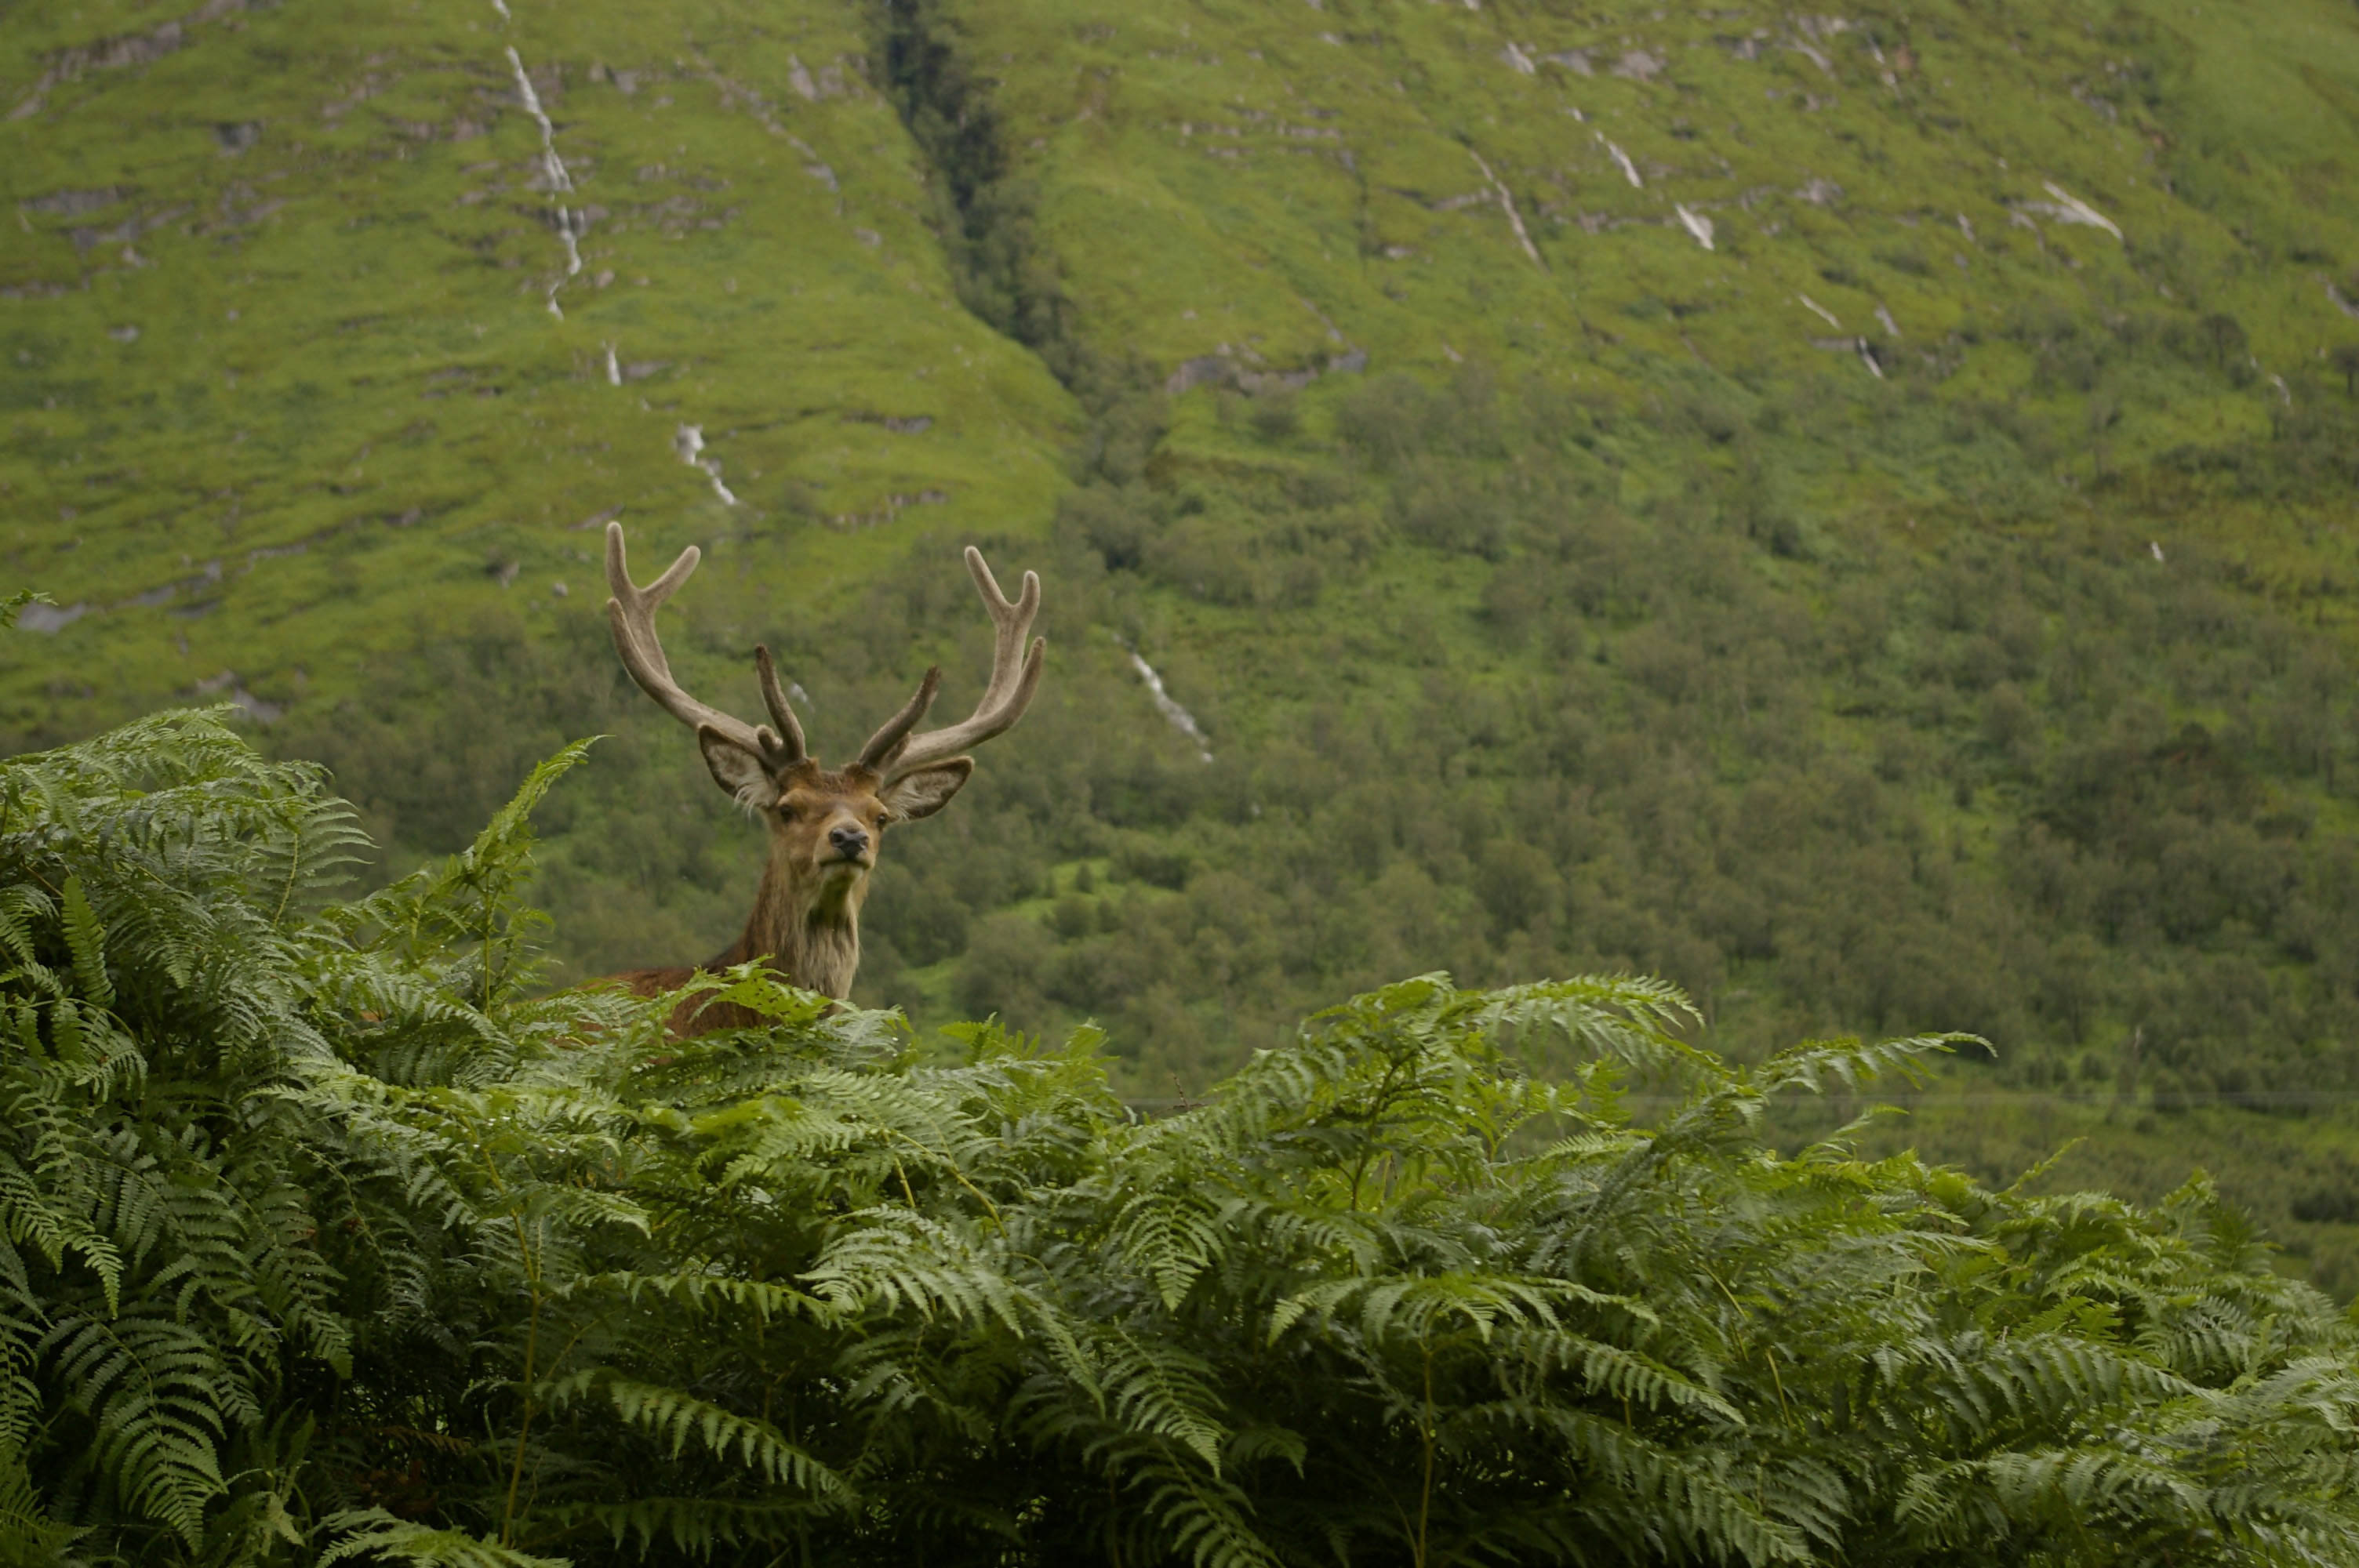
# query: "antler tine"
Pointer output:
{"type": "Point", "coordinates": [631, 612]}
{"type": "Point", "coordinates": [883, 747]}
{"type": "Point", "coordinates": [1014, 674]}
{"type": "Point", "coordinates": [642, 603]}
{"type": "Point", "coordinates": [774, 698]}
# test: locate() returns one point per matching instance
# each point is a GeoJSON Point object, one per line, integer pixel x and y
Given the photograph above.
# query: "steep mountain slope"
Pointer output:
{"type": "Point", "coordinates": [1849, 512]}
{"type": "Point", "coordinates": [298, 351]}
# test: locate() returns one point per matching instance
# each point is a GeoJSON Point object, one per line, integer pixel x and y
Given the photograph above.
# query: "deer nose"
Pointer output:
{"type": "Point", "coordinates": [848, 842]}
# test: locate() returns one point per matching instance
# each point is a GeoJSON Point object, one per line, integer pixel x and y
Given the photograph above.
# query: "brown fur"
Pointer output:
{"type": "Point", "coordinates": [806, 918]}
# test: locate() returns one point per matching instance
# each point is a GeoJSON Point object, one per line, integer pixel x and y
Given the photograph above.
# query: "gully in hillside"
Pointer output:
{"type": "Point", "coordinates": [824, 827]}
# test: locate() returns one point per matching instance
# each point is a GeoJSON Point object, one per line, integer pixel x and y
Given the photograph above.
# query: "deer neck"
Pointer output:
{"type": "Point", "coordinates": [809, 928]}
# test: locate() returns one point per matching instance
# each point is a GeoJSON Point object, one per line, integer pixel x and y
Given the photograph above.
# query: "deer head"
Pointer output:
{"type": "Point", "coordinates": [825, 825]}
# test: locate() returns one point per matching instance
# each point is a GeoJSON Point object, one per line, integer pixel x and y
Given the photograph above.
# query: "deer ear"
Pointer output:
{"type": "Point", "coordinates": [927, 790]}
{"type": "Point", "coordinates": [737, 770]}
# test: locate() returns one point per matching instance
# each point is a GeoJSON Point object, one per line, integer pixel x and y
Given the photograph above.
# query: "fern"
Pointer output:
{"type": "Point", "coordinates": [374, 1533]}
{"type": "Point", "coordinates": [323, 1238]}
{"type": "Point", "coordinates": [29, 1537]}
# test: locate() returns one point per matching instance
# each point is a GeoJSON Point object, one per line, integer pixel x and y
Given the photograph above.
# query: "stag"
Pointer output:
{"type": "Point", "coordinates": [824, 827]}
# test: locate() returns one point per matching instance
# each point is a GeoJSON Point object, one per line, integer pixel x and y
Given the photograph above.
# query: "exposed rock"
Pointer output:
{"type": "Point", "coordinates": [1204, 370]}
{"type": "Point", "coordinates": [74, 203]}
{"type": "Point", "coordinates": [256, 708]}
{"type": "Point", "coordinates": [118, 53]}
{"type": "Point", "coordinates": [893, 507]}
{"type": "Point", "coordinates": [1259, 381]}
{"type": "Point", "coordinates": [49, 619]}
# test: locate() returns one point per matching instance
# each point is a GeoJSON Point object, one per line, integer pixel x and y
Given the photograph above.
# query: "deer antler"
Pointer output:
{"type": "Point", "coordinates": [632, 613]}
{"type": "Point", "coordinates": [895, 753]}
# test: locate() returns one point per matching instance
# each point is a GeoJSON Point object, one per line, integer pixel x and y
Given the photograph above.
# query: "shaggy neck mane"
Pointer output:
{"type": "Point", "coordinates": [812, 940]}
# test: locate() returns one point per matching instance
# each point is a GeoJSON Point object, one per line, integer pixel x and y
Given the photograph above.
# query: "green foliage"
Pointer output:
{"type": "Point", "coordinates": [1553, 609]}
{"type": "Point", "coordinates": [13, 605]}
{"type": "Point", "coordinates": [328, 1241]}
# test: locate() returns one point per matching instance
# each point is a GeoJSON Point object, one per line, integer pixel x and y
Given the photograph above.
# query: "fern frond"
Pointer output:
{"type": "Point", "coordinates": [29, 1537]}
{"type": "Point", "coordinates": [373, 1532]}
{"type": "Point", "coordinates": [87, 940]}
{"type": "Point", "coordinates": [675, 1416]}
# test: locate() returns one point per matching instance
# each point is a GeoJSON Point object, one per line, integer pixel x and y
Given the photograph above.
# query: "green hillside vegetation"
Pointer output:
{"type": "Point", "coordinates": [1925, 608]}
{"type": "Point", "coordinates": [326, 1237]}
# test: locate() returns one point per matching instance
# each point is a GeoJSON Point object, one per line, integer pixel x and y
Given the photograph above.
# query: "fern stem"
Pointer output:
{"type": "Point", "coordinates": [524, 1428]}
{"type": "Point", "coordinates": [1425, 1433]}
{"type": "Point", "coordinates": [956, 1175]}
{"type": "Point", "coordinates": [294, 870]}
{"type": "Point", "coordinates": [1778, 1383]}
{"type": "Point", "coordinates": [490, 908]}
{"type": "Point", "coordinates": [531, 1349]}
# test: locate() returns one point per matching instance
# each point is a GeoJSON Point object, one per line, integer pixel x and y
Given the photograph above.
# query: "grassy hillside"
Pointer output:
{"type": "Point", "coordinates": [1925, 604]}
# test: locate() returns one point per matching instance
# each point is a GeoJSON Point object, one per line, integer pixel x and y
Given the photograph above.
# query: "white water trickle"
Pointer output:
{"type": "Point", "coordinates": [1696, 223]}
{"type": "Point", "coordinates": [553, 167]}
{"type": "Point", "coordinates": [2070, 208]}
{"type": "Point", "coordinates": [1508, 204]}
{"type": "Point", "coordinates": [614, 370]}
{"type": "Point", "coordinates": [689, 442]}
{"type": "Point", "coordinates": [1629, 169]}
{"type": "Point", "coordinates": [1821, 311]}
{"type": "Point", "coordinates": [1165, 704]}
